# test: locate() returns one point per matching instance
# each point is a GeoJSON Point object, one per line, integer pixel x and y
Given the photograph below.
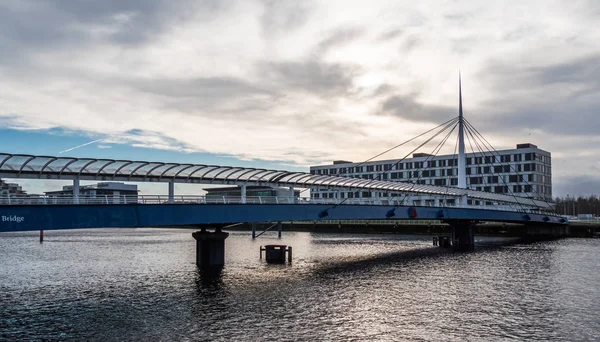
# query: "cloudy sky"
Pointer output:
{"type": "Point", "coordinates": [287, 84]}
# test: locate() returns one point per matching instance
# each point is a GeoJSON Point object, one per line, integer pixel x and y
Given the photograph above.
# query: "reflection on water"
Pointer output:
{"type": "Point", "coordinates": [134, 284]}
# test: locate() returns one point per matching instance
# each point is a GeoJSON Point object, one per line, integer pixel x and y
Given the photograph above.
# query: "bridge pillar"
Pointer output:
{"type": "Point", "coordinates": [292, 194]}
{"type": "Point", "coordinates": [210, 248]}
{"type": "Point", "coordinates": [243, 193]}
{"type": "Point", "coordinates": [76, 191]}
{"type": "Point", "coordinates": [463, 235]}
{"type": "Point", "coordinates": [171, 192]}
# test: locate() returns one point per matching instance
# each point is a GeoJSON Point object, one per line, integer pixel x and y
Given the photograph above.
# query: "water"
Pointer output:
{"type": "Point", "coordinates": [142, 284]}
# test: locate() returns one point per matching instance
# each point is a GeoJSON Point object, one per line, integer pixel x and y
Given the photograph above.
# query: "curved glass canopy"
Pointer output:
{"type": "Point", "coordinates": [49, 167]}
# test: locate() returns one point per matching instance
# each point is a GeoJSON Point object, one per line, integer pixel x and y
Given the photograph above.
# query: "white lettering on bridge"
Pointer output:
{"type": "Point", "coordinates": [13, 218]}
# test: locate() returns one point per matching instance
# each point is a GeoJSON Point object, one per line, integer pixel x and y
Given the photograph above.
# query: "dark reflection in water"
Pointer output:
{"type": "Point", "coordinates": [142, 284]}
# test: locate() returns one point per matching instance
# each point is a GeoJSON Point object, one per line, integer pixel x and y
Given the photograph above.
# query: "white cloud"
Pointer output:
{"type": "Point", "coordinates": [298, 82]}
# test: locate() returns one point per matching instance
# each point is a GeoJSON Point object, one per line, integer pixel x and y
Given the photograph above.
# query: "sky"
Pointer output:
{"type": "Point", "coordinates": [289, 84]}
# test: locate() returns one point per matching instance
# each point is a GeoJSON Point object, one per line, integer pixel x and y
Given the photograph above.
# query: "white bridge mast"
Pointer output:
{"type": "Point", "coordinates": [462, 159]}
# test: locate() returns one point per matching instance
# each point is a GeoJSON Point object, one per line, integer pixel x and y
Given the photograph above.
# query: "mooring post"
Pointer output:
{"type": "Point", "coordinates": [41, 236]}
{"type": "Point", "coordinates": [253, 224]}
{"type": "Point", "coordinates": [279, 227]}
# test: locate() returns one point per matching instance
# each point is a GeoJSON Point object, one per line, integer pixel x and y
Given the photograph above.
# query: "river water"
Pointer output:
{"type": "Point", "coordinates": [143, 284]}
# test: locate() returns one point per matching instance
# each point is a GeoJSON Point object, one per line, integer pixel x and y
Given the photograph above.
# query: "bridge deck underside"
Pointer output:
{"type": "Point", "coordinates": [53, 217]}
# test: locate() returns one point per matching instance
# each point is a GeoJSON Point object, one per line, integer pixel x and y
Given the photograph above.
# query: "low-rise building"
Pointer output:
{"type": "Point", "coordinates": [235, 192]}
{"type": "Point", "coordinates": [11, 189]}
{"type": "Point", "coordinates": [103, 189]}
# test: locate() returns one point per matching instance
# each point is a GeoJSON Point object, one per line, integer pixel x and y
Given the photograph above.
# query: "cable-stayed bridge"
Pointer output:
{"type": "Point", "coordinates": [19, 213]}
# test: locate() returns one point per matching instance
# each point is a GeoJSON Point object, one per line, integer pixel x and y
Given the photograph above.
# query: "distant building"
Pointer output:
{"type": "Point", "coordinates": [525, 171]}
{"type": "Point", "coordinates": [104, 189]}
{"type": "Point", "coordinates": [11, 189]}
{"type": "Point", "coordinates": [217, 194]}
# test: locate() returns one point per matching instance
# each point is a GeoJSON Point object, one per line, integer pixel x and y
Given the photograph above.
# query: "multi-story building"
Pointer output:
{"type": "Point", "coordinates": [525, 171]}
{"type": "Point", "coordinates": [11, 189]}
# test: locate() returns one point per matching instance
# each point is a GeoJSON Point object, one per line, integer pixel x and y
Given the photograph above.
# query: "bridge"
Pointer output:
{"type": "Point", "coordinates": [21, 213]}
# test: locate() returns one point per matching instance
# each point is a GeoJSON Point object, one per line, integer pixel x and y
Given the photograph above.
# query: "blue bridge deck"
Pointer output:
{"type": "Point", "coordinates": [52, 217]}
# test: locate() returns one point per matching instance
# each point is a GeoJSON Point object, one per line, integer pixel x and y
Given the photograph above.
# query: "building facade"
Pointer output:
{"type": "Point", "coordinates": [11, 189]}
{"type": "Point", "coordinates": [217, 194]}
{"type": "Point", "coordinates": [525, 171]}
{"type": "Point", "coordinates": [103, 189]}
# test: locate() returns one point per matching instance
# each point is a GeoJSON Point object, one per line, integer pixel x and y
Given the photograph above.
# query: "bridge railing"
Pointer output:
{"type": "Point", "coordinates": [202, 199]}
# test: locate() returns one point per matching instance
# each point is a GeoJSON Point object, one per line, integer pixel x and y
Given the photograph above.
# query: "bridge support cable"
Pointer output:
{"type": "Point", "coordinates": [399, 145]}
{"type": "Point", "coordinates": [473, 132]}
{"type": "Point", "coordinates": [450, 123]}
{"type": "Point", "coordinates": [433, 154]}
{"type": "Point", "coordinates": [449, 177]}
{"type": "Point", "coordinates": [500, 177]}
{"type": "Point", "coordinates": [483, 155]}
{"type": "Point", "coordinates": [483, 178]}
{"type": "Point", "coordinates": [486, 143]}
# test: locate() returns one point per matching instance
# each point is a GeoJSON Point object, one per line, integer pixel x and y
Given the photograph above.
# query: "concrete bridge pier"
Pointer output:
{"type": "Point", "coordinates": [463, 235]}
{"type": "Point", "coordinates": [210, 248]}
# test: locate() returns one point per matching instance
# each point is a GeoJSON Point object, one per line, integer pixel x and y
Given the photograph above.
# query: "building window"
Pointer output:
{"type": "Point", "coordinates": [492, 179]}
